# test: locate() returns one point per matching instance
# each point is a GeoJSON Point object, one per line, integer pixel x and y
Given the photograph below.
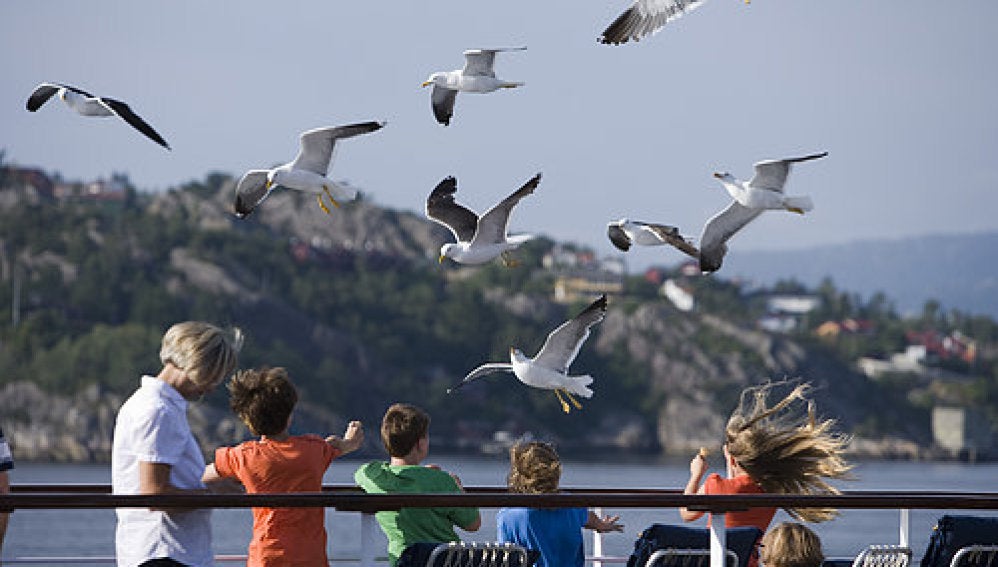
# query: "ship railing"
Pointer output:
{"type": "Point", "coordinates": [345, 498]}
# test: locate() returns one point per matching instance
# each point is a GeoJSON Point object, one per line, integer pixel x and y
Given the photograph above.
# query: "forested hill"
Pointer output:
{"type": "Point", "coordinates": [357, 307]}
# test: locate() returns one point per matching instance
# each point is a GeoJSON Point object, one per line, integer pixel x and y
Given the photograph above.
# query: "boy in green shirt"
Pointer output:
{"type": "Point", "coordinates": [405, 434]}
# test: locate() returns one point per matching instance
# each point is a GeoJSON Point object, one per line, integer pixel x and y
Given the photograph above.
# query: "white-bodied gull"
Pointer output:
{"type": "Point", "coordinates": [89, 105]}
{"type": "Point", "coordinates": [308, 172]}
{"type": "Point", "coordinates": [479, 239]}
{"type": "Point", "coordinates": [764, 191]}
{"type": "Point", "coordinates": [549, 368]}
{"type": "Point", "coordinates": [477, 76]}
{"type": "Point", "coordinates": [625, 232]}
{"type": "Point", "coordinates": [645, 17]}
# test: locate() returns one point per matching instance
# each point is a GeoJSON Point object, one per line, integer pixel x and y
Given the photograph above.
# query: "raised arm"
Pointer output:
{"type": "Point", "coordinates": [698, 468]}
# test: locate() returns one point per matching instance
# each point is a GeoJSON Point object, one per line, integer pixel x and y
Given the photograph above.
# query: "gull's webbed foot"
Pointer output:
{"type": "Point", "coordinates": [564, 405]}
{"type": "Point", "coordinates": [572, 399]}
{"type": "Point", "coordinates": [330, 195]}
{"type": "Point", "coordinates": [322, 205]}
{"type": "Point", "coordinates": [509, 261]}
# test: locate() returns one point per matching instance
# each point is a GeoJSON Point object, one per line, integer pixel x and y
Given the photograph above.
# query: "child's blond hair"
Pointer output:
{"type": "Point", "coordinates": [787, 452]}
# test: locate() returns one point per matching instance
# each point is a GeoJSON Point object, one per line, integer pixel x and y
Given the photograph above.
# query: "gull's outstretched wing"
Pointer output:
{"type": "Point", "coordinates": [717, 231]}
{"type": "Point", "coordinates": [128, 115]}
{"type": "Point", "coordinates": [563, 344]}
{"type": "Point", "coordinates": [618, 236]}
{"type": "Point", "coordinates": [483, 370]}
{"type": "Point", "coordinates": [645, 17]}
{"type": "Point", "coordinates": [480, 61]}
{"type": "Point", "coordinates": [442, 101]}
{"type": "Point", "coordinates": [492, 225]}
{"type": "Point", "coordinates": [317, 145]}
{"type": "Point", "coordinates": [41, 95]}
{"type": "Point", "coordinates": [441, 207]}
{"type": "Point", "coordinates": [251, 191]}
{"type": "Point", "coordinates": [670, 235]}
{"type": "Point", "coordinates": [772, 174]}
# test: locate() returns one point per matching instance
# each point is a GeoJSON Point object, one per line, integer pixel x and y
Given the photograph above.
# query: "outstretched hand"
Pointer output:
{"type": "Point", "coordinates": [352, 439]}
{"type": "Point", "coordinates": [604, 524]}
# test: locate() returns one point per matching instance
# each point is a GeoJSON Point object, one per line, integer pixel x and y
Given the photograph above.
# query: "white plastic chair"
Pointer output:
{"type": "Point", "coordinates": [472, 554]}
{"type": "Point", "coordinates": [883, 556]}
{"type": "Point", "coordinates": [976, 556]}
{"type": "Point", "coordinates": [687, 558]}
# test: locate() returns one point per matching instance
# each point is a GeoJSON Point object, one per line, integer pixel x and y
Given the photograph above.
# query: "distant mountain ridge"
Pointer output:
{"type": "Point", "coordinates": [960, 271]}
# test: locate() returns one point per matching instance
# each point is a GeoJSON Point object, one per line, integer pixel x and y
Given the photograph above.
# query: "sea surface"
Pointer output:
{"type": "Point", "coordinates": [63, 533]}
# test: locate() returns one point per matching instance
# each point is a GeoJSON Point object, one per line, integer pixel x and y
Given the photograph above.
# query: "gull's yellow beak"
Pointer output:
{"type": "Point", "coordinates": [426, 83]}
{"type": "Point", "coordinates": [718, 175]}
{"type": "Point", "coordinates": [268, 184]}
{"type": "Point", "coordinates": [440, 260]}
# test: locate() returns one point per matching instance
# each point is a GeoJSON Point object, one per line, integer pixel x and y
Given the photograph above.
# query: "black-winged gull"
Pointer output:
{"type": "Point", "coordinates": [89, 105]}
{"type": "Point", "coordinates": [477, 76]}
{"type": "Point", "coordinates": [625, 232]}
{"type": "Point", "coordinates": [549, 368]}
{"type": "Point", "coordinates": [479, 239]}
{"type": "Point", "coordinates": [308, 172]}
{"type": "Point", "coordinates": [646, 17]}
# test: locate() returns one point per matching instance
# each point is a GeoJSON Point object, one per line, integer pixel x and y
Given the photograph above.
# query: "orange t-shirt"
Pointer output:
{"type": "Point", "coordinates": [753, 517]}
{"type": "Point", "coordinates": [282, 536]}
{"type": "Point", "coordinates": [741, 484]}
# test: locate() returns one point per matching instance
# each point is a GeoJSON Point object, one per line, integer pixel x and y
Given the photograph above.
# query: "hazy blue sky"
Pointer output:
{"type": "Point", "coordinates": [902, 93]}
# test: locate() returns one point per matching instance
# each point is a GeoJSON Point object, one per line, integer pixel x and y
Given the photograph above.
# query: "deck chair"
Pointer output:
{"type": "Point", "coordinates": [687, 558]}
{"type": "Point", "coordinates": [883, 556]}
{"type": "Point", "coordinates": [976, 556]}
{"type": "Point", "coordinates": [468, 554]}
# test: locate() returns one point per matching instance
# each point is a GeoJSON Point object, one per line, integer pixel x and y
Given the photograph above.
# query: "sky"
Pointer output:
{"type": "Point", "coordinates": [902, 94]}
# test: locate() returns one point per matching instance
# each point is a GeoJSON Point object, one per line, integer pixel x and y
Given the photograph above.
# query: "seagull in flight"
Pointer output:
{"type": "Point", "coordinates": [549, 368]}
{"type": "Point", "coordinates": [308, 172]}
{"type": "Point", "coordinates": [479, 239]}
{"type": "Point", "coordinates": [764, 191]}
{"type": "Point", "coordinates": [624, 232]}
{"type": "Point", "coordinates": [89, 105]}
{"type": "Point", "coordinates": [477, 76]}
{"type": "Point", "coordinates": [646, 17]}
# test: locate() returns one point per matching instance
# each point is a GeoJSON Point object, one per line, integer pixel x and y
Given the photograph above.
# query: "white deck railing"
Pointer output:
{"type": "Point", "coordinates": [351, 499]}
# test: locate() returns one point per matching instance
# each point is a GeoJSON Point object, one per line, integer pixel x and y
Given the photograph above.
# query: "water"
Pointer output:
{"type": "Point", "coordinates": [60, 533]}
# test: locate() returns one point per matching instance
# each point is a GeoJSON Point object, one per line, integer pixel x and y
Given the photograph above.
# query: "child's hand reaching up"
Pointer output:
{"type": "Point", "coordinates": [352, 439]}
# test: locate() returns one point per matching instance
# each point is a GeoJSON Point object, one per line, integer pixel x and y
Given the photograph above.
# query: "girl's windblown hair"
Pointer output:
{"type": "Point", "coordinates": [785, 448]}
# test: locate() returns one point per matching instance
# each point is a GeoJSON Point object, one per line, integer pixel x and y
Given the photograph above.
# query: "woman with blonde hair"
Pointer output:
{"type": "Point", "coordinates": [154, 451]}
{"type": "Point", "coordinates": [776, 449]}
{"type": "Point", "coordinates": [556, 533]}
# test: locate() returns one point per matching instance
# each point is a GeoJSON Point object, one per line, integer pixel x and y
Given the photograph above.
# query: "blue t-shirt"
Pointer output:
{"type": "Point", "coordinates": [6, 461]}
{"type": "Point", "coordinates": [555, 532]}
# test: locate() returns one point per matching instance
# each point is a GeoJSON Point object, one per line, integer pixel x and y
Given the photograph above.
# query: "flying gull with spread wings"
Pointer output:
{"type": "Point", "coordinates": [479, 239]}
{"type": "Point", "coordinates": [549, 368]}
{"type": "Point", "coordinates": [477, 76]}
{"type": "Point", "coordinates": [646, 17]}
{"type": "Point", "coordinates": [763, 192]}
{"type": "Point", "coordinates": [89, 105]}
{"type": "Point", "coordinates": [308, 172]}
{"type": "Point", "coordinates": [625, 232]}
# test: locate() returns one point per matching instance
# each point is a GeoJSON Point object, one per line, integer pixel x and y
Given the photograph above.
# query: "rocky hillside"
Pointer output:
{"type": "Point", "coordinates": [357, 307]}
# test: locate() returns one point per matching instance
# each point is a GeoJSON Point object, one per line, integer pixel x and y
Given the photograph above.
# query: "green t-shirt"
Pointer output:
{"type": "Point", "coordinates": [411, 525]}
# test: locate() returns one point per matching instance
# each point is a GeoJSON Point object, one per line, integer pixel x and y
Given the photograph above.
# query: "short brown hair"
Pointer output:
{"type": "Point", "coordinates": [263, 399]}
{"type": "Point", "coordinates": [791, 545]}
{"type": "Point", "coordinates": [402, 427]}
{"type": "Point", "coordinates": [534, 468]}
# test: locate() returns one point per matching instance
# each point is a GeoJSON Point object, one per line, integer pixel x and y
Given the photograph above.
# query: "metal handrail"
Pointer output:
{"type": "Point", "coordinates": [352, 500]}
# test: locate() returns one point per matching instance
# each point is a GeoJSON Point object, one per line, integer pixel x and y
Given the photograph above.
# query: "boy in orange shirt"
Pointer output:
{"type": "Point", "coordinates": [278, 462]}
